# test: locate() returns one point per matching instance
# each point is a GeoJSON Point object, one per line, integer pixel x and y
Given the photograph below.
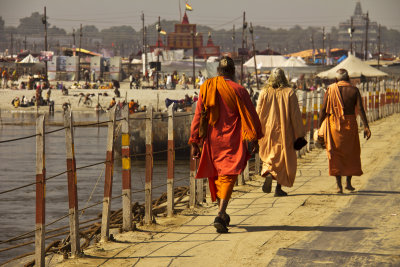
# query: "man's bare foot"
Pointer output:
{"type": "Point", "coordinates": [339, 190]}
{"type": "Point", "coordinates": [350, 188]}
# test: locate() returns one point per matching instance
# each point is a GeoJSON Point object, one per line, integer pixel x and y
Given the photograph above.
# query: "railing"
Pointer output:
{"type": "Point", "coordinates": [379, 100]}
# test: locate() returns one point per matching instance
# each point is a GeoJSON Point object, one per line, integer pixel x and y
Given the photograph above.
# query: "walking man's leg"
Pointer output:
{"type": "Point", "coordinates": [339, 184]}
{"type": "Point", "coordinates": [348, 184]}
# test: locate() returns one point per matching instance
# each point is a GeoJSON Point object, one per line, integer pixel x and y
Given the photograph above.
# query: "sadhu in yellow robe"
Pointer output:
{"type": "Point", "coordinates": [281, 122]}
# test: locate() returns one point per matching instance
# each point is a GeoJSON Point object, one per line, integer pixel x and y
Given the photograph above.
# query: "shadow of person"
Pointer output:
{"type": "Point", "coordinates": [300, 228]}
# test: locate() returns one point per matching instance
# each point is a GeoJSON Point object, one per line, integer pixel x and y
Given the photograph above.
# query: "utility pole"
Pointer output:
{"type": "Point", "coordinates": [144, 44]}
{"type": "Point", "coordinates": [350, 31]}
{"type": "Point", "coordinates": [79, 54]}
{"type": "Point", "coordinates": [323, 46]}
{"type": "Point", "coordinates": [242, 61]}
{"type": "Point", "coordinates": [254, 54]}
{"type": "Point", "coordinates": [312, 44]}
{"type": "Point", "coordinates": [12, 46]}
{"type": "Point", "coordinates": [233, 41]}
{"type": "Point", "coordinates": [194, 67]}
{"type": "Point", "coordinates": [44, 20]}
{"type": "Point", "coordinates": [158, 28]}
{"type": "Point", "coordinates": [379, 45]}
{"type": "Point", "coordinates": [25, 43]}
{"type": "Point", "coordinates": [74, 44]}
{"type": "Point", "coordinates": [329, 48]}
{"type": "Point", "coordinates": [366, 37]}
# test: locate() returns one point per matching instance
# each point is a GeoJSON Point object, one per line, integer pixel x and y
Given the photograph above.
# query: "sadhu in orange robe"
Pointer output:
{"type": "Point", "coordinates": [232, 120]}
{"type": "Point", "coordinates": [341, 135]}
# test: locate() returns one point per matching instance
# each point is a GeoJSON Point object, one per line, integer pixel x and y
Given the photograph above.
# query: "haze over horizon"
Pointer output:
{"type": "Point", "coordinates": [272, 14]}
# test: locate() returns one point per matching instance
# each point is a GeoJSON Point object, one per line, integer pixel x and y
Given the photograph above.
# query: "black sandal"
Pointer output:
{"type": "Point", "coordinates": [220, 225]}
{"type": "Point", "coordinates": [267, 186]}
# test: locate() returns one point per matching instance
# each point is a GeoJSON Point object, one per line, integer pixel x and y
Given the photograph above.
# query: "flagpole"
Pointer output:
{"type": "Point", "coordinates": [180, 11]}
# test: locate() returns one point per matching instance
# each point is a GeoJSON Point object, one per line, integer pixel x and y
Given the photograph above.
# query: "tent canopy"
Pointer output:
{"type": "Point", "coordinates": [294, 62]}
{"type": "Point", "coordinates": [355, 67]}
{"type": "Point", "coordinates": [266, 61]}
{"type": "Point", "coordinates": [29, 59]}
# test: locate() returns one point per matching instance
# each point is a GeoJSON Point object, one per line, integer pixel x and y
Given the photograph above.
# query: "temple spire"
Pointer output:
{"type": "Point", "coordinates": [185, 19]}
{"type": "Point", "coordinates": [358, 10]}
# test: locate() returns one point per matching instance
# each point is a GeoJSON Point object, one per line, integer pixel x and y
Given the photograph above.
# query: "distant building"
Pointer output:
{"type": "Point", "coordinates": [183, 37]}
{"type": "Point", "coordinates": [359, 25]}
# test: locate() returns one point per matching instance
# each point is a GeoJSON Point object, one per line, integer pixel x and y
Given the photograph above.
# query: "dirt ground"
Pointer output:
{"type": "Point", "coordinates": [261, 224]}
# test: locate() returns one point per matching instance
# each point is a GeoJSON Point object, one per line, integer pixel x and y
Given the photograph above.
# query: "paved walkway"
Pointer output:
{"type": "Point", "coordinates": [313, 226]}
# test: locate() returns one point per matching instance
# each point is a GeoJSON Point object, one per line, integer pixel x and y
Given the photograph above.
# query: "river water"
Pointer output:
{"type": "Point", "coordinates": [17, 168]}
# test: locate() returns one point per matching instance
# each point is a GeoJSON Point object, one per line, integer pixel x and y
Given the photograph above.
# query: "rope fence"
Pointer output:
{"type": "Point", "coordinates": [377, 106]}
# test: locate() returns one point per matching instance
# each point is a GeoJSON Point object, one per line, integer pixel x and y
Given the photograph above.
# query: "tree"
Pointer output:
{"type": "Point", "coordinates": [56, 31]}
{"type": "Point", "coordinates": [32, 24]}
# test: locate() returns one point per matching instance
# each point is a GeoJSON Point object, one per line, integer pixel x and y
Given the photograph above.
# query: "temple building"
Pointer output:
{"type": "Point", "coordinates": [359, 26]}
{"type": "Point", "coordinates": [186, 37]}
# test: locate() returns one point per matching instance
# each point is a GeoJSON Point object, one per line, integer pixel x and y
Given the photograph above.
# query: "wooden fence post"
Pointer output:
{"type": "Point", "coordinates": [171, 161]}
{"type": "Point", "coordinates": [40, 193]}
{"type": "Point", "coordinates": [72, 184]}
{"type": "Point", "coordinates": [304, 116]}
{"type": "Point", "coordinates": [105, 219]}
{"type": "Point", "coordinates": [199, 190]}
{"type": "Point", "coordinates": [257, 162]}
{"type": "Point", "coordinates": [192, 185]}
{"type": "Point", "coordinates": [126, 171]}
{"type": "Point", "coordinates": [148, 205]}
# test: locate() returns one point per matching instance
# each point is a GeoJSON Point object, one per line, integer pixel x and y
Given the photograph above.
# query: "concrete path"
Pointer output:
{"type": "Point", "coordinates": [313, 226]}
{"type": "Point", "coordinates": [366, 232]}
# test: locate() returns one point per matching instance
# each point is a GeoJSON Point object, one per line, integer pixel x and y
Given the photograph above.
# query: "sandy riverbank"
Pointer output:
{"type": "Point", "coordinates": [146, 97]}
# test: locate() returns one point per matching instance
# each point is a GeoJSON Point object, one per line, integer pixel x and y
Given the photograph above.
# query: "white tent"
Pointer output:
{"type": "Point", "coordinates": [266, 61]}
{"type": "Point", "coordinates": [136, 61]}
{"type": "Point", "coordinates": [294, 62]}
{"type": "Point", "coordinates": [355, 67]}
{"type": "Point", "coordinates": [29, 59]}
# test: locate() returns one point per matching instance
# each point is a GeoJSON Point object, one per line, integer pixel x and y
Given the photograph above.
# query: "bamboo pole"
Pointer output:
{"type": "Point", "coordinates": [192, 186]}
{"type": "Point", "coordinates": [149, 166]}
{"type": "Point", "coordinates": [40, 252]}
{"type": "Point", "coordinates": [105, 220]}
{"type": "Point", "coordinates": [171, 158]}
{"type": "Point", "coordinates": [126, 172]}
{"type": "Point", "coordinates": [72, 184]}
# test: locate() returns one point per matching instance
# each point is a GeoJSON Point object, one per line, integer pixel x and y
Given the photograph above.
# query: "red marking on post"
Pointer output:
{"type": "Point", "coordinates": [364, 100]}
{"type": "Point", "coordinates": [72, 190]}
{"type": "Point", "coordinates": [40, 197]}
{"type": "Point", "coordinates": [125, 152]}
{"type": "Point", "coordinates": [109, 170]}
{"type": "Point", "coordinates": [126, 179]}
{"type": "Point", "coordinates": [149, 162]}
{"type": "Point", "coordinates": [171, 167]}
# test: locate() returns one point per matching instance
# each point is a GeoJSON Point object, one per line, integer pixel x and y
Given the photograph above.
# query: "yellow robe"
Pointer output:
{"type": "Point", "coordinates": [282, 124]}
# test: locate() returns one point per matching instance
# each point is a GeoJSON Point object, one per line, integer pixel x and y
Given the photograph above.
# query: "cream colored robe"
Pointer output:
{"type": "Point", "coordinates": [282, 124]}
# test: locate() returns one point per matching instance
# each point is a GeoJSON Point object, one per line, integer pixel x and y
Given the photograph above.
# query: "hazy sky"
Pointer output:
{"type": "Point", "coordinates": [218, 14]}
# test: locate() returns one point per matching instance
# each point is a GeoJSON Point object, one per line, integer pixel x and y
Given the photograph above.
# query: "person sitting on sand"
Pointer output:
{"type": "Point", "coordinates": [24, 101]}
{"type": "Point", "coordinates": [16, 102]}
{"type": "Point", "coordinates": [132, 105]}
{"type": "Point", "coordinates": [112, 103]}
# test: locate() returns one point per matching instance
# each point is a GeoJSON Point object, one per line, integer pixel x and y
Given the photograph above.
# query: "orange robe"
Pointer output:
{"type": "Point", "coordinates": [341, 136]}
{"type": "Point", "coordinates": [282, 124]}
{"type": "Point", "coordinates": [224, 150]}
